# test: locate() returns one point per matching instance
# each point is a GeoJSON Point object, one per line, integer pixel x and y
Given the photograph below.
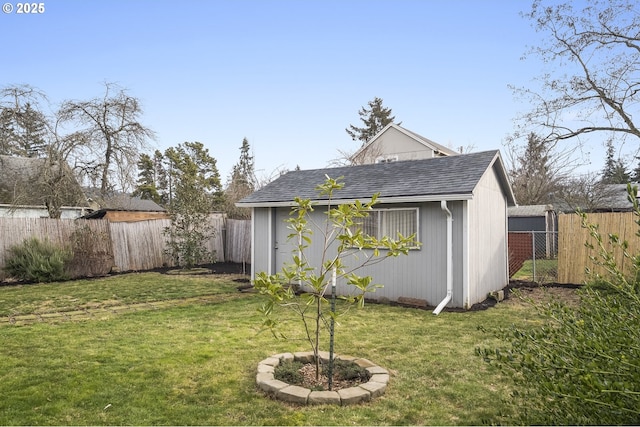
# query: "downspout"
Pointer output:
{"type": "Point", "coordinates": [445, 301]}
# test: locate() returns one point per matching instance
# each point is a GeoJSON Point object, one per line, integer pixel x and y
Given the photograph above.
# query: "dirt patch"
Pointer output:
{"type": "Point", "coordinates": [518, 290]}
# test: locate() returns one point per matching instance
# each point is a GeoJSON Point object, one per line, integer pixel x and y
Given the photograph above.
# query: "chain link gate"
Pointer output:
{"type": "Point", "coordinates": [533, 256]}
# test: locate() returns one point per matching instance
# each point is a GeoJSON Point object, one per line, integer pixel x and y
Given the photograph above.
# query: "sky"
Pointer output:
{"type": "Point", "coordinates": [289, 76]}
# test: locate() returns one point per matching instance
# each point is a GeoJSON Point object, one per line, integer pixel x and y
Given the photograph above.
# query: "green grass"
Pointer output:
{"type": "Point", "coordinates": [546, 271]}
{"type": "Point", "coordinates": [195, 364]}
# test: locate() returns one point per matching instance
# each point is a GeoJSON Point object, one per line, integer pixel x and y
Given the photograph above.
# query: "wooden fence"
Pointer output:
{"type": "Point", "coordinates": [573, 255]}
{"type": "Point", "coordinates": [101, 246]}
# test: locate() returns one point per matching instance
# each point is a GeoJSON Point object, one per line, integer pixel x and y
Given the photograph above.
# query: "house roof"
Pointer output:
{"type": "Point", "coordinates": [419, 138]}
{"type": "Point", "coordinates": [616, 198]}
{"type": "Point", "coordinates": [22, 183]}
{"type": "Point", "coordinates": [529, 210]}
{"type": "Point", "coordinates": [434, 179]}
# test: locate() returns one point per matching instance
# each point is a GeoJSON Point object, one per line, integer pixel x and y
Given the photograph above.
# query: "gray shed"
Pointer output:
{"type": "Point", "coordinates": [457, 205]}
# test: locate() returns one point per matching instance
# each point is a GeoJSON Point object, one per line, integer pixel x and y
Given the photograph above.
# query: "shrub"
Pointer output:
{"type": "Point", "coordinates": [288, 371]}
{"type": "Point", "coordinates": [582, 366]}
{"type": "Point", "coordinates": [38, 261]}
{"type": "Point", "coordinates": [349, 371]}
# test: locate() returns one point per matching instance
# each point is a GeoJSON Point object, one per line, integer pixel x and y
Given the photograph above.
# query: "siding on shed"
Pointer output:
{"type": "Point", "coordinates": [488, 253]}
{"type": "Point", "coordinates": [419, 275]}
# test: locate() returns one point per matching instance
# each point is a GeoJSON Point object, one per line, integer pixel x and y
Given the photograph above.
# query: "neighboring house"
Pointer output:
{"type": "Point", "coordinates": [125, 208]}
{"type": "Point", "coordinates": [456, 205]}
{"type": "Point", "coordinates": [615, 199]}
{"type": "Point", "coordinates": [28, 184]}
{"type": "Point", "coordinates": [395, 143]}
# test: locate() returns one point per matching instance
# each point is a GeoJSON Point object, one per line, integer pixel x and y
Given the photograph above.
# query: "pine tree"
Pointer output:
{"type": "Point", "coordinates": [241, 183]}
{"type": "Point", "coordinates": [615, 170]}
{"type": "Point", "coordinates": [146, 188]}
{"type": "Point", "coordinates": [375, 118]}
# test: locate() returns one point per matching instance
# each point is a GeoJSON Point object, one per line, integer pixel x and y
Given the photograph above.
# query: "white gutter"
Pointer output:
{"type": "Point", "coordinates": [445, 301]}
{"type": "Point", "coordinates": [389, 199]}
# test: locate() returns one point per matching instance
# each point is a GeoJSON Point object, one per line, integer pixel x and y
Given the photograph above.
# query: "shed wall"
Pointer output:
{"type": "Point", "coordinates": [418, 278]}
{"type": "Point", "coordinates": [488, 254]}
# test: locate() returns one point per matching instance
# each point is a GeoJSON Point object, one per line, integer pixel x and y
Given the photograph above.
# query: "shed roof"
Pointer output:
{"type": "Point", "coordinates": [433, 179]}
{"type": "Point", "coordinates": [529, 210]}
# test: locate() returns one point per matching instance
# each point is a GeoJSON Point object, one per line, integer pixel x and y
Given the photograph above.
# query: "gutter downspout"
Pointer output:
{"type": "Point", "coordinates": [445, 301]}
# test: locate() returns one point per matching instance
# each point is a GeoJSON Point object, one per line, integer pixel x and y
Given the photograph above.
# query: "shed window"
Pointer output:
{"type": "Point", "coordinates": [390, 222]}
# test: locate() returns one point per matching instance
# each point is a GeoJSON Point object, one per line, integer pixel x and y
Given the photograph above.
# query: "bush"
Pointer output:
{"type": "Point", "coordinates": [582, 366]}
{"type": "Point", "coordinates": [288, 371]}
{"type": "Point", "coordinates": [349, 371]}
{"type": "Point", "coordinates": [34, 260]}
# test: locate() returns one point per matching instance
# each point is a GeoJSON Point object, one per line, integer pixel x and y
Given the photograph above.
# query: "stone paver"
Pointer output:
{"type": "Point", "coordinates": [375, 387]}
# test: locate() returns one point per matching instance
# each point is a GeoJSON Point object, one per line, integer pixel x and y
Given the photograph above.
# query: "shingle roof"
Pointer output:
{"type": "Point", "coordinates": [529, 210]}
{"type": "Point", "coordinates": [616, 198]}
{"type": "Point", "coordinates": [453, 177]}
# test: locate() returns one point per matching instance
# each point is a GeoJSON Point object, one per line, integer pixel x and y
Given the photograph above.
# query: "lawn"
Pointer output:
{"type": "Point", "coordinates": [546, 271]}
{"type": "Point", "coordinates": [192, 360]}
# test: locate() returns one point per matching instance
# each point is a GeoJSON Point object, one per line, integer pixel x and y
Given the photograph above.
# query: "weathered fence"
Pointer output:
{"type": "Point", "coordinates": [238, 241]}
{"type": "Point", "coordinates": [89, 240]}
{"type": "Point", "coordinates": [101, 246]}
{"type": "Point", "coordinates": [573, 255]}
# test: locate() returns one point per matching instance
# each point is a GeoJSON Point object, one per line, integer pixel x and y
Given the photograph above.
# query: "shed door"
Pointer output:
{"type": "Point", "coordinates": [283, 248]}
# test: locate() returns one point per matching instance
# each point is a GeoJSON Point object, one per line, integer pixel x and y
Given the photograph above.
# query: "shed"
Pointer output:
{"type": "Point", "coordinates": [457, 205]}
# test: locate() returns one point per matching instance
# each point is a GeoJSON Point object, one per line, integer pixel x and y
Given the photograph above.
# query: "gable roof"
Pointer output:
{"type": "Point", "coordinates": [419, 138]}
{"type": "Point", "coordinates": [22, 183]}
{"type": "Point", "coordinates": [434, 179]}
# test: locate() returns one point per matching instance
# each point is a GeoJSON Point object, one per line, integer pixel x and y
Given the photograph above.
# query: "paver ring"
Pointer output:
{"type": "Point", "coordinates": [376, 386]}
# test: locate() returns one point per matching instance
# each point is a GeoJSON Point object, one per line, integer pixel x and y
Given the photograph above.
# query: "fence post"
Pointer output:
{"type": "Point", "coordinates": [533, 255]}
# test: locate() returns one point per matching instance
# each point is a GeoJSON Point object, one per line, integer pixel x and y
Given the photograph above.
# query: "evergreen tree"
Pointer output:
{"type": "Point", "coordinates": [374, 118]}
{"type": "Point", "coordinates": [615, 170]}
{"type": "Point", "coordinates": [195, 192]}
{"type": "Point", "coordinates": [241, 183]}
{"type": "Point", "coordinates": [146, 188]}
{"type": "Point", "coordinates": [23, 131]}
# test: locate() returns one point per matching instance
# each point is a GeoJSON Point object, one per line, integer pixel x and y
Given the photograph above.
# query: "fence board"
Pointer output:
{"type": "Point", "coordinates": [573, 255]}
{"type": "Point", "coordinates": [139, 246]}
{"type": "Point", "coordinates": [238, 241]}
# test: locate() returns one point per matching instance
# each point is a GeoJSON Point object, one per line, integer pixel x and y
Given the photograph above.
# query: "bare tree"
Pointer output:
{"type": "Point", "coordinates": [114, 136]}
{"type": "Point", "coordinates": [594, 85]}
{"type": "Point", "coordinates": [537, 171]}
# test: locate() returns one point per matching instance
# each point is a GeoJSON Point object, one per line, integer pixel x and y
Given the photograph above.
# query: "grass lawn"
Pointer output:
{"type": "Point", "coordinates": [546, 271]}
{"type": "Point", "coordinates": [194, 363]}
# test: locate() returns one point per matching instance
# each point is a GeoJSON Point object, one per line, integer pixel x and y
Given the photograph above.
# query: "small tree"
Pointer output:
{"type": "Point", "coordinates": [582, 366]}
{"type": "Point", "coordinates": [195, 192]}
{"type": "Point", "coordinates": [341, 230]}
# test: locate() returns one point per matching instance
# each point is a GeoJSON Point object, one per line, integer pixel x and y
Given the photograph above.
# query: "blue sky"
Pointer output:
{"type": "Point", "coordinates": [288, 75]}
